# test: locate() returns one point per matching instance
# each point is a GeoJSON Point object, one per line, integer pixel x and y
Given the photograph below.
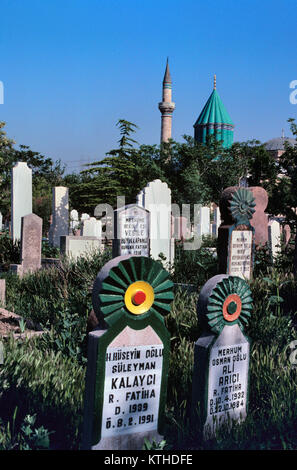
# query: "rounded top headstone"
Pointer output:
{"type": "Point", "coordinates": [224, 300]}
{"type": "Point", "coordinates": [133, 285]}
{"type": "Point", "coordinates": [237, 205]}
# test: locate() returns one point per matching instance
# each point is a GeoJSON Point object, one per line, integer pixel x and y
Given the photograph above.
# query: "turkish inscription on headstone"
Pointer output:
{"type": "Point", "coordinates": [221, 369]}
{"type": "Point", "coordinates": [128, 355]}
{"type": "Point", "coordinates": [240, 253]}
{"type": "Point", "coordinates": [132, 384]}
{"type": "Point", "coordinates": [236, 235]}
{"type": "Point", "coordinates": [132, 231]}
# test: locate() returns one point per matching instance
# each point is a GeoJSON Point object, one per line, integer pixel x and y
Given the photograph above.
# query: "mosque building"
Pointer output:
{"type": "Point", "coordinates": [213, 120]}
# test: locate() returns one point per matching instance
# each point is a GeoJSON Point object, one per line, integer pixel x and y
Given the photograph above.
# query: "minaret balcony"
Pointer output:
{"type": "Point", "coordinates": [166, 107]}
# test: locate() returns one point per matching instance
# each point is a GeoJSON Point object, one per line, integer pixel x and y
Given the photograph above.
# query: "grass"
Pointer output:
{"type": "Point", "coordinates": [44, 377]}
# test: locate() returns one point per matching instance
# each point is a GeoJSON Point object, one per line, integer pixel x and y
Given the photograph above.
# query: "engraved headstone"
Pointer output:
{"type": "Point", "coordinates": [222, 354]}
{"type": "Point", "coordinates": [236, 235]}
{"type": "Point", "coordinates": [131, 231]}
{"type": "Point", "coordinates": [31, 239]}
{"type": "Point", "coordinates": [60, 222]}
{"type": "Point", "coordinates": [126, 382]}
{"type": "Point", "coordinates": [156, 198]}
{"type": "Point", "coordinates": [21, 197]}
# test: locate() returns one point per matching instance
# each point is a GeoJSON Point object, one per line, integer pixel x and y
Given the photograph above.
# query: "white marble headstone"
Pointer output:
{"type": "Point", "coordinates": [204, 221]}
{"type": "Point", "coordinates": [156, 198]}
{"type": "Point", "coordinates": [92, 228]}
{"type": "Point", "coordinates": [60, 209]}
{"type": "Point", "coordinates": [274, 237]}
{"type": "Point", "coordinates": [21, 197]}
{"type": "Point", "coordinates": [74, 221]}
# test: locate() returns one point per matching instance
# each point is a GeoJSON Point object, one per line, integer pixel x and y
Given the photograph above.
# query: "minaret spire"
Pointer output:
{"type": "Point", "coordinates": [214, 82]}
{"type": "Point", "coordinates": [166, 106]}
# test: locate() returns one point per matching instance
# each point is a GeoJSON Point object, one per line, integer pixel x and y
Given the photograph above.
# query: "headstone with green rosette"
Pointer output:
{"type": "Point", "coordinates": [221, 364]}
{"type": "Point", "coordinates": [236, 235]}
{"type": "Point", "coordinates": [128, 355]}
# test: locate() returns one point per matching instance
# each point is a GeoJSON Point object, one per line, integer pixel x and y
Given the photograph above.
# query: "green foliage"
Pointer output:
{"type": "Point", "coordinates": [9, 251]}
{"type": "Point", "coordinates": [194, 266]}
{"type": "Point", "coordinates": [49, 251]}
{"type": "Point", "coordinates": [45, 376]}
{"type": "Point", "coordinates": [28, 438]}
{"type": "Point", "coordinates": [154, 445]}
{"type": "Point", "coordinates": [283, 199]}
{"type": "Point", "coordinates": [46, 174]}
{"type": "Point", "coordinates": [39, 381]}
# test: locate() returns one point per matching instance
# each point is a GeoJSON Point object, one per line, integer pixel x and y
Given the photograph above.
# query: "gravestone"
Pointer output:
{"type": "Point", "coordinates": [92, 228]}
{"type": "Point", "coordinates": [259, 219]}
{"type": "Point", "coordinates": [156, 198]}
{"type": "Point", "coordinates": [84, 217]}
{"type": "Point", "coordinates": [274, 238]}
{"type": "Point", "coordinates": [21, 197]}
{"type": "Point", "coordinates": [75, 246]}
{"type": "Point", "coordinates": [286, 233]}
{"type": "Point", "coordinates": [1, 221]}
{"type": "Point", "coordinates": [31, 239]}
{"type": "Point", "coordinates": [74, 221]}
{"type": "Point", "coordinates": [222, 354]}
{"type": "Point", "coordinates": [60, 221]}
{"type": "Point", "coordinates": [181, 230]}
{"type": "Point", "coordinates": [131, 231]}
{"type": "Point", "coordinates": [236, 235]}
{"type": "Point", "coordinates": [217, 221]}
{"type": "Point", "coordinates": [2, 292]}
{"type": "Point", "coordinates": [204, 221]}
{"type": "Point", "coordinates": [128, 356]}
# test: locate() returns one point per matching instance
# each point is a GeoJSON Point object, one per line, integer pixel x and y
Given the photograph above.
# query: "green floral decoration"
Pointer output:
{"type": "Point", "coordinates": [230, 295]}
{"type": "Point", "coordinates": [129, 271]}
{"type": "Point", "coordinates": [242, 205]}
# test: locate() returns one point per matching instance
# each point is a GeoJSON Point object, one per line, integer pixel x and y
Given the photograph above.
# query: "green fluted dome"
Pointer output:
{"type": "Point", "coordinates": [214, 119]}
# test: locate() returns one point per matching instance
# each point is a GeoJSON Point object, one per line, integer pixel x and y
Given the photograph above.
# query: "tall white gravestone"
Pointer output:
{"type": "Point", "coordinates": [156, 198]}
{"type": "Point", "coordinates": [60, 209]}
{"type": "Point", "coordinates": [204, 221]}
{"type": "Point", "coordinates": [274, 237]}
{"type": "Point", "coordinates": [21, 197]}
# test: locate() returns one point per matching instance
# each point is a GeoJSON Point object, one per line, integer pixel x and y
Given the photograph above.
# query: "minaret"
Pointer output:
{"type": "Point", "coordinates": [166, 107]}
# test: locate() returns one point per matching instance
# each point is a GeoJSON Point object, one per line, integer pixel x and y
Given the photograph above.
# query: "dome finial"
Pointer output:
{"type": "Point", "coordinates": [214, 82]}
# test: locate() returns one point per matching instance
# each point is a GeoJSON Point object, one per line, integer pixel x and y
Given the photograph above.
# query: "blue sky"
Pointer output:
{"type": "Point", "coordinates": [72, 68]}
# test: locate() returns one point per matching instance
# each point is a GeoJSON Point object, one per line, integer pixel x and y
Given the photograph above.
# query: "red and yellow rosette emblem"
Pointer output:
{"type": "Point", "coordinates": [134, 285]}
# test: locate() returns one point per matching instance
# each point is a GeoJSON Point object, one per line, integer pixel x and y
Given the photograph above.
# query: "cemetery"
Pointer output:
{"type": "Point", "coordinates": [141, 329]}
{"type": "Point", "coordinates": [148, 291]}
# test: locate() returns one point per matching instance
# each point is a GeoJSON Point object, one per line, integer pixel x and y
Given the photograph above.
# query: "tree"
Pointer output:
{"type": "Point", "coordinates": [284, 196]}
{"type": "Point", "coordinates": [45, 172]}
{"type": "Point", "coordinates": [123, 172]}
